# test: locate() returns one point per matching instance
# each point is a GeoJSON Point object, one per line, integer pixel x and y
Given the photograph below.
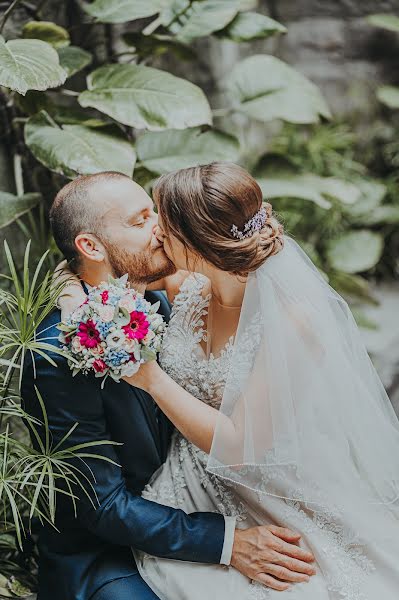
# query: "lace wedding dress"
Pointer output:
{"type": "Point", "coordinates": [347, 569]}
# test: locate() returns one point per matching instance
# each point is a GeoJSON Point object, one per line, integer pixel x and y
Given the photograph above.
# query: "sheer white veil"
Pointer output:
{"type": "Point", "coordinates": [304, 415]}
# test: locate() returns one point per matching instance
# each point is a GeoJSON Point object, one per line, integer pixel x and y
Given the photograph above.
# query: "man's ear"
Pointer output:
{"type": "Point", "coordinates": [90, 248]}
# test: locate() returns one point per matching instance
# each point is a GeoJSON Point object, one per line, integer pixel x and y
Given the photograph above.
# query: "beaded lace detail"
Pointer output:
{"type": "Point", "coordinates": [182, 356]}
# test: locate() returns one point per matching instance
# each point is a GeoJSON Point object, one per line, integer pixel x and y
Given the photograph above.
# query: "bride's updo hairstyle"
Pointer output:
{"type": "Point", "coordinates": [200, 207]}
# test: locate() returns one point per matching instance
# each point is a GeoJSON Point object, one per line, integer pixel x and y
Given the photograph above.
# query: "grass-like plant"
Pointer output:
{"type": "Point", "coordinates": [31, 477]}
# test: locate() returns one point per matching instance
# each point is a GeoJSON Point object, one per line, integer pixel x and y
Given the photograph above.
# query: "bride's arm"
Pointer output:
{"type": "Point", "coordinates": [194, 419]}
{"type": "Point", "coordinates": [72, 294]}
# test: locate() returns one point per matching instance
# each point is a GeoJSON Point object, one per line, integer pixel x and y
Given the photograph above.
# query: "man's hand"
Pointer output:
{"type": "Point", "coordinates": [270, 555]}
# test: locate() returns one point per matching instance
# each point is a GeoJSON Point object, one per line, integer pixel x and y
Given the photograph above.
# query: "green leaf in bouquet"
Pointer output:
{"type": "Point", "coordinates": [29, 65]}
{"type": "Point", "coordinates": [204, 17]}
{"type": "Point", "coordinates": [162, 152]}
{"type": "Point", "coordinates": [13, 207]}
{"type": "Point", "coordinates": [122, 316]}
{"type": "Point", "coordinates": [145, 97]}
{"type": "Point", "coordinates": [355, 251]}
{"type": "Point", "coordinates": [265, 88]}
{"type": "Point", "coordinates": [121, 11]}
{"type": "Point", "coordinates": [389, 95]}
{"type": "Point", "coordinates": [73, 59]}
{"type": "Point", "coordinates": [76, 149]}
{"type": "Point", "coordinates": [385, 21]}
{"type": "Point", "coordinates": [248, 26]}
{"type": "Point", "coordinates": [147, 355]}
{"type": "Point", "coordinates": [46, 31]}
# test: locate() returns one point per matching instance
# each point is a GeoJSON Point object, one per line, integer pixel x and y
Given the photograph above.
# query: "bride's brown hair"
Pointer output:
{"type": "Point", "coordinates": [199, 205]}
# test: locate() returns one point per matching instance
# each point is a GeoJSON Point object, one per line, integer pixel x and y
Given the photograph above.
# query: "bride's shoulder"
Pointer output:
{"type": "Point", "coordinates": [185, 283]}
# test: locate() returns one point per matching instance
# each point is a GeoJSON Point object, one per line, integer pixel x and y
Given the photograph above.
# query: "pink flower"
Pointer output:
{"type": "Point", "coordinates": [99, 365]}
{"type": "Point", "coordinates": [138, 326]}
{"type": "Point", "coordinates": [88, 334]}
{"type": "Point", "coordinates": [104, 296]}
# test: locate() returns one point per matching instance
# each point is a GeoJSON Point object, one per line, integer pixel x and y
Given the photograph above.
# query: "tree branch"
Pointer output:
{"type": "Point", "coordinates": [7, 13]}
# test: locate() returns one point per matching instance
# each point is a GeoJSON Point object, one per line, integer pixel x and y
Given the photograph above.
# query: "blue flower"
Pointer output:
{"type": "Point", "coordinates": [104, 328]}
{"type": "Point", "coordinates": [117, 357]}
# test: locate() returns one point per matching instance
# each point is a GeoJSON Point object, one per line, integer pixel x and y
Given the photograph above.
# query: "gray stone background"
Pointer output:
{"type": "Point", "coordinates": [330, 42]}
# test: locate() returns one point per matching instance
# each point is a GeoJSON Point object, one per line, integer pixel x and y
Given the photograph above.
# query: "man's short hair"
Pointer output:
{"type": "Point", "coordinates": [74, 212]}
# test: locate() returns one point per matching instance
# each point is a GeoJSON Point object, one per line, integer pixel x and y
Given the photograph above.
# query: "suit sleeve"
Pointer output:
{"type": "Point", "coordinates": [119, 516]}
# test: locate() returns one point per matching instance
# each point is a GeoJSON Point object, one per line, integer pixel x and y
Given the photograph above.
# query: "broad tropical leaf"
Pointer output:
{"type": "Point", "coordinates": [385, 21]}
{"type": "Point", "coordinates": [29, 65]}
{"type": "Point", "coordinates": [265, 88]}
{"type": "Point", "coordinates": [162, 152]}
{"type": "Point", "coordinates": [309, 187]}
{"type": "Point", "coordinates": [203, 17]}
{"type": "Point", "coordinates": [144, 97]}
{"type": "Point", "coordinates": [46, 31]}
{"type": "Point", "coordinates": [12, 207]}
{"type": "Point", "coordinates": [251, 26]}
{"type": "Point", "coordinates": [372, 194]}
{"type": "Point", "coordinates": [355, 251]}
{"type": "Point", "coordinates": [121, 11]}
{"type": "Point", "coordinates": [389, 95]}
{"type": "Point", "coordinates": [76, 149]}
{"type": "Point", "coordinates": [73, 59]}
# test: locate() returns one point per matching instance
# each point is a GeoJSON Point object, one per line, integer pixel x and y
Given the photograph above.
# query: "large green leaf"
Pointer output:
{"type": "Point", "coordinates": [385, 21]}
{"type": "Point", "coordinates": [121, 11]}
{"type": "Point", "coordinates": [372, 194]}
{"type": "Point", "coordinates": [265, 88]}
{"type": "Point", "coordinates": [12, 207]}
{"type": "Point", "coordinates": [73, 59]}
{"type": "Point", "coordinates": [308, 187]}
{"type": "Point", "coordinates": [251, 26]}
{"type": "Point", "coordinates": [203, 17]}
{"type": "Point", "coordinates": [144, 97]}
{"type": "Point", "coordinates": [46, 31]}
{"type": "Point", "coordinates": [29, 65]}
{"type": "Point", "coordinates": [76, 149]}
{"type": "Point", "coordinates": [355, 251]}
{"type": "Point", "coordinates": [389, 95]}
{"type": "Point", "coordinates": [162, 152]}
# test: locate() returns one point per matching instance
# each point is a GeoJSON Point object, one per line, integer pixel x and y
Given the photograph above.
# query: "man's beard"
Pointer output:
{"type": "Point", "coordinates": [139, 267]}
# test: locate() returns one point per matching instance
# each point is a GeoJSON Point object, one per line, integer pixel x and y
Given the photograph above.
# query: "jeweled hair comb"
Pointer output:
{"type": "Point", "coordinates": [252, 226]}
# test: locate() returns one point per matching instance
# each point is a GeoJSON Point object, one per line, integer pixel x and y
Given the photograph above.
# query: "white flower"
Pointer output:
{"type": "Point", "coordinates": [130, 368]}
{"type": "Point", "coordinates": [115, 339]}
{"type": "Point", "coordinates": [127, 302]}
{"type": "Point", "coordinates": [76, 345]}
{"type": "Point", "coordinates": [106, 313]}
{"type": "Point", "coordinates": [131, 345]}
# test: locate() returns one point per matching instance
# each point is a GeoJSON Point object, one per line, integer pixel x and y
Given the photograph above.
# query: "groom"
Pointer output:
{"type": "Point", "coordinates": [104, 224]}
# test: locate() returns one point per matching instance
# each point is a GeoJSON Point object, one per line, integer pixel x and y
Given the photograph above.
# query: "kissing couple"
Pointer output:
{"type": "Point", "coordinates": [259, 457]}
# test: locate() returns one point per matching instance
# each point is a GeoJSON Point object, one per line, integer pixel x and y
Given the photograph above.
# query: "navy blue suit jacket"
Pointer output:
{"type": "Point", "coordinates": [94, 548]}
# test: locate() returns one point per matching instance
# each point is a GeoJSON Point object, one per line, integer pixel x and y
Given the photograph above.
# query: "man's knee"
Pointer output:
{"type": "Point", "coordinates": [126, 588]}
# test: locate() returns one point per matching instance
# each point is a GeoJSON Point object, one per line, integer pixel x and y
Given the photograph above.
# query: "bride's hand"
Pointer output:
{"type": "Point", "coordinates": [72, 294]}
{"type": "Point", "coordinates": [148, 375]}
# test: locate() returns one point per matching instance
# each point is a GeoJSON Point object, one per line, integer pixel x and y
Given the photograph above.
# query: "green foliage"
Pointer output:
{"type": "Point", "coordinates": [127, 106]}
{"type": "Point", "coordinates": [29, 65]}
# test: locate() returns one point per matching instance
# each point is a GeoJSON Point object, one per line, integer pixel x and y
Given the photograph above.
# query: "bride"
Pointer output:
{"type": "Point", "coordinates": [280, 414]}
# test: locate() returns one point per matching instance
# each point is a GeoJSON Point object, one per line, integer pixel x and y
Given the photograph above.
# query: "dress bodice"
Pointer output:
{"type": "Point", "coordinates": [182, 355]}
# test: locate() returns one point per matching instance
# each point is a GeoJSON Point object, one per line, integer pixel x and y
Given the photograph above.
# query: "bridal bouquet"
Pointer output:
{"type": "Point", "coordinates": [113, 332]}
